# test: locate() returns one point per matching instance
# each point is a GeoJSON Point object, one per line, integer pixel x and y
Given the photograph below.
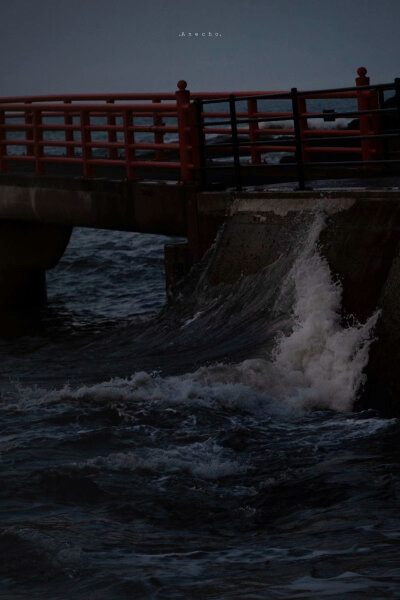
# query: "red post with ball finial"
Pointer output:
{"type": "Point", "coordinates": [369, 124]}
{"type": "Point", "coordinates": [184, 132]}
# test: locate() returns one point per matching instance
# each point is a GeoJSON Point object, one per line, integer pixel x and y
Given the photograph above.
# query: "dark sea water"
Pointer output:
{"type": "Point", "coordinates": [209, 452]}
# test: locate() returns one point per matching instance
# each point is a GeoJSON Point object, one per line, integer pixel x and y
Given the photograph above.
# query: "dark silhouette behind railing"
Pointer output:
{"type": "Point", "coordinates": [369, 141]}
{"type": "Point", "coordinates": [92, 132]}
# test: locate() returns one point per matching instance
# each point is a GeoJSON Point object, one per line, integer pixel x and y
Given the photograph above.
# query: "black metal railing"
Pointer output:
{"type": "Point", "coordinates": [372, 141]}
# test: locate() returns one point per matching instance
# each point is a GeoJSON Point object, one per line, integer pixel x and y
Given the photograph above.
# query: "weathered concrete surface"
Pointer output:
{"type": "Point", "coordinates": [158, 208]}
{"type": "Point", "coordinates": [261, 227]}
{"type": "Point", "coordinates": [205, 213]}
{"type": "Point", "coordinates": [118, 205]}
{"type": "Point", "coordinates": [361, 241]}
{"type": "Point", "coordinates": [208, 211]}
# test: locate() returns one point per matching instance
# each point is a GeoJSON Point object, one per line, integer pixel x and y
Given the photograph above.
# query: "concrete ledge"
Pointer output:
{"type": "Point", "coordinates": [125, 206]}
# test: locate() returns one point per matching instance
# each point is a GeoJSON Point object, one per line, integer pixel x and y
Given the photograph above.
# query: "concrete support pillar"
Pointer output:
{"type": "Point", "coordinates": [177, 264]}
{"type": "Point", "coordinates": [205, 213]}
{"type": "Point", "coordinates": [26, 251]}
{"type": "Point", "coordinates": [22, 288]}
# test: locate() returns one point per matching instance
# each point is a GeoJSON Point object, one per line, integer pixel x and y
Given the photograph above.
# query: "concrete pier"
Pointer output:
{"type": "Point", "coordinates": [62, 203]}
{"type": "Point", "coordinates": [361, 241]}
{"type": "Point", "coordinates": [27, 250]}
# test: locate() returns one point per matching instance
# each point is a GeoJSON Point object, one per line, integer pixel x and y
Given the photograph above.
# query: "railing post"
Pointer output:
{"type": "Point", "coordinates": [384, 142]}
{"type": "Point", "coordinates": [367, 123]}
{"type": "Point", "coordinates": [158, 135]}
{"type": "Point", "coordinates": [397, 99]}
{"type": "Point", "coordinates": [185, 132]}
{"type": "Point", "coordinates": [303, 125]}
{"type": "Point", "coordinates": [69, 134]}
{"type": "Point", "coordinates": [28, 131]}
{"type": "Point", "coordinates": [201, 141]}
{"type": "Point", "coordinates": [252, 109]}
{"type": "Point", "coordinates": [373, 104]}
{"type": "Point", "coordinates": [397, 96]}
{"type": "Point", "coordinates": [195, 141]}
{"type": "Point", "coordinates": [111, 134]}
{"type": "Point", "coordinates": [129, 139]}
{"type": "Point", "coordinates": [3, 146]}
{"type": "Point", "coordinates": [297, 132]}
{"type": "Point", "coordinates": [85, 140]}
{"type": "Point", "coordinates": [235, 144]}
{"type": "Point", "coordinates": [37, 139]}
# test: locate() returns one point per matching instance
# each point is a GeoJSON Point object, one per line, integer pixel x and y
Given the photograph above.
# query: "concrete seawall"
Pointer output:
{"type": "Point", "coordinates": [361, 241]}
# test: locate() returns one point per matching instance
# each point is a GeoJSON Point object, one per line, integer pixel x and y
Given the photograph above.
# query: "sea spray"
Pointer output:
{"type": "Point", "coordinates": [318, 360]}
{"type": "Point", "coordinates": [207, 483]}
{"type": "Point", "coordinates": [321, 360]}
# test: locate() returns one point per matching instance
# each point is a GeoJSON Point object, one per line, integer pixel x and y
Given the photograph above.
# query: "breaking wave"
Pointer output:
{"type": "Point", "coordinates": [209, 452]}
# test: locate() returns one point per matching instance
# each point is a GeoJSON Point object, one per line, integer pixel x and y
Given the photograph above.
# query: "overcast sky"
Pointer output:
{"type": "Point", "coordinates": [72, 46]}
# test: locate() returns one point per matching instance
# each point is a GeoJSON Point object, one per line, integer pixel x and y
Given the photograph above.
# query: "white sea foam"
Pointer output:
{"type": "Point", "coordinates": [206, 460]}
{"type": "Point", "coordinates": [318, 363]}
{"type": "Point", "coordinates": [321, 360]}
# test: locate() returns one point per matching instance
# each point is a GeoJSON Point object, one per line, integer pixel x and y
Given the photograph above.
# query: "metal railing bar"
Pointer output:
{"type": "Point", "coordinates": [285, 165]}
{"type": "Point", "coordinates": [377, 162]}
{"type": "Point", "coordinates": [272, 96]}
{"type": "Point", "coordinates": [302, 93]}
{"type": "Point", "coordinates": [311, 140]}
{"type": "Point", "coordinates": [358, 88]}
{"type": "Point", "coordinates": [248, 166]}
{"type": "Point", "coordinates": [245, 143]}
{"type": "Point", "coordinates": [201, 140]}
{"type": "Point", "coordinates": [352, 113]}
{"type": "Point", "coordinates": [288, 117]}
{"type": "Point", "coordinates": [236, 157]}
{"type": "Point", "coordinates": [297, 133]}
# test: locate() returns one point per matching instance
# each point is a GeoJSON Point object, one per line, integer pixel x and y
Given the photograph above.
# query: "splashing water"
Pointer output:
{"type": "Point", "coordinates": [319, 363]}
{"type": "Point", "coordinates": [322, 360]}
{"type": "Point", "coordinates": [220, 482]}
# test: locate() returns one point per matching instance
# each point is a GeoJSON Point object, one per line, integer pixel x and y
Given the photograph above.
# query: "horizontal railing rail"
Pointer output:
{"type": "Point", "coordinates": [367, 137]}
{"type": "Point", "coordinates": [67, 98]}
{"type": "Point", "coordinates": [188, 137]}
{"type": "Point", "coordinates": [96, 134]}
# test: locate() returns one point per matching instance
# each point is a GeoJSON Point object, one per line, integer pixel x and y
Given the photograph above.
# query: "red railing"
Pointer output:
{"type": "Point", "coordinates": [78, 118]}
{"type": "Point", "coordinates": [92, 130]}
{"type": "Point", "coordinates": [78, 121]}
